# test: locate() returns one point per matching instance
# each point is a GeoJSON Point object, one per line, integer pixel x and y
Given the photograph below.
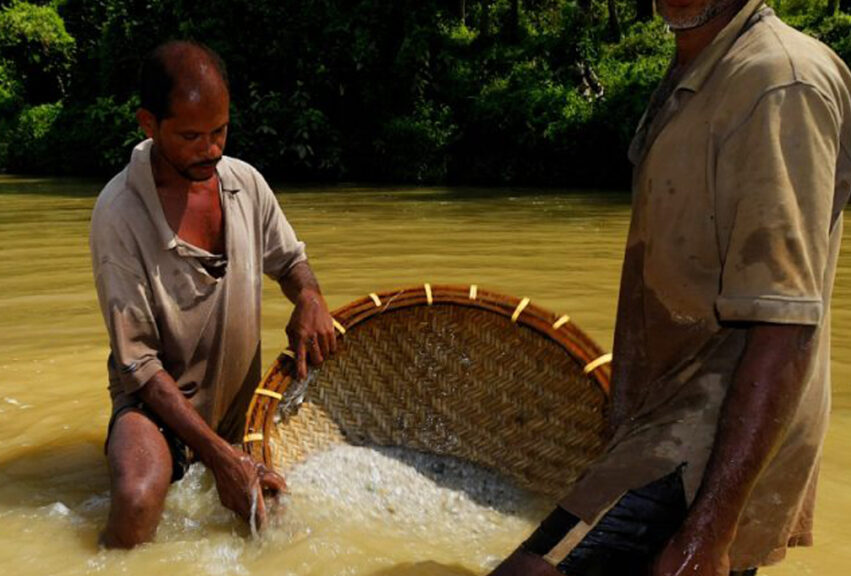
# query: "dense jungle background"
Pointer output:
{"type": "Point", "coordinates": [485, 92]}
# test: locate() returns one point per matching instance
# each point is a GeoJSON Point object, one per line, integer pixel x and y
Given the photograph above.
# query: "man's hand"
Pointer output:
{"type": "Point", "coordinates": [239, 480]}
{"type": "Point", "coordinates": [237, 476]}
{"type": "Point", "coordinates": [762, 399]}
{"type": "Point", "coordinates": [311, 331]}
{"type": "Point", "coordinates": [311, 328]}
{"type": "Point", "coordinates": [690, 553]}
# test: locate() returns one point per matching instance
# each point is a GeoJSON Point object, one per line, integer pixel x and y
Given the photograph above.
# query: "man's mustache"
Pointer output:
{"type": "Point", "coordinates": [207, 163]}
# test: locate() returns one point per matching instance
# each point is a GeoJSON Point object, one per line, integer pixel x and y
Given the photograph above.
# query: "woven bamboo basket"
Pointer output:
{"type": "Point", "coordinates": [448, 370]}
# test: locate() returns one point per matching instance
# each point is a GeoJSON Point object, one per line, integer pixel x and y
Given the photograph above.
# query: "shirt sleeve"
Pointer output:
{"type": "Point", "coordinates": [775, 180]}
{"type": "Point", "coordinates": [281, 248]}
{"type": "Point", "coordinates": [125, 303]}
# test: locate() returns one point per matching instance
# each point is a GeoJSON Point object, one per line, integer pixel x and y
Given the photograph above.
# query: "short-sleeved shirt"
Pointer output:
{"type": "Point", "coordinates": [169, 305]}
{"type": "Point", "coordinates": [740, 178]}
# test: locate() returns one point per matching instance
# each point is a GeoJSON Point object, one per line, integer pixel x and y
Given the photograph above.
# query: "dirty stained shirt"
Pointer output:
{"type": "Point", "coordinates": [739, 183]}
{"type": "Point", "coordinates": [169, 305]}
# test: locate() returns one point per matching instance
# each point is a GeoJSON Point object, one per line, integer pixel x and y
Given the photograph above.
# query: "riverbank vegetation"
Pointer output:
{"type": "Point", "coordinates": [493, 92]}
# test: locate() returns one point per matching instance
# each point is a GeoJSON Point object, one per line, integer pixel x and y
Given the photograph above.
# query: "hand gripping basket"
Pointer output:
{"type": "Point", "coordinates": [449, 370]}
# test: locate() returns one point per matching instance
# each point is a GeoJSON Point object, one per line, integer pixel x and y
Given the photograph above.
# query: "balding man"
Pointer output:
{"type": "Point", "coordinates": [179, 241]}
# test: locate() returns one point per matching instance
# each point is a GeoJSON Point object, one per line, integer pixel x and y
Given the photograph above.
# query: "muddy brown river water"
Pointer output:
{"type": "Point", "coordinates": [562, 250]}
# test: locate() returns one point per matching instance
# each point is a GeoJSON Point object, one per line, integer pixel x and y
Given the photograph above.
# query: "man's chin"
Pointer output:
{"type": "Point", "coordinates": [678, 21]}
{"type": "Point", "coordinates": [199, 173]}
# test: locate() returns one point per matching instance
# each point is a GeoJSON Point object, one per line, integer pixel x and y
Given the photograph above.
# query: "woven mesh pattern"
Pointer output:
{"type": "Point", "coordinates": [456, 380]}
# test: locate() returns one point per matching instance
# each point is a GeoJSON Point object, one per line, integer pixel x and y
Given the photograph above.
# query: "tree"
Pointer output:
{"type": "Point", "coordinates": [35, 44]}
{"type": "Point", "coordinates": [645, 9]}
{"type": "Point", "coordinates": [614, 22]}
{"type": "Point", "coordinates": [832, 7]}
{"type": "Point", "coordinates": [513, 24]}
{"type": "Point", "coordinates": [485, 18]}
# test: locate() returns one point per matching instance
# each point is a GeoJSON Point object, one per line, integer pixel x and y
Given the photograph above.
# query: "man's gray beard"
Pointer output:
{"type": "Point", "coordinates": [710, 11]}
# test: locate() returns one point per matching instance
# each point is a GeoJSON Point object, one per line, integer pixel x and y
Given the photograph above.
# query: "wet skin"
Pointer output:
{"type": "Point", "coordinates": [188, 143]}
{"type": "Point", "coordinates": [762, 399]}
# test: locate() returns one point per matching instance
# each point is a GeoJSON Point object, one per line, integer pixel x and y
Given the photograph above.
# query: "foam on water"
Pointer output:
{"type": "Point", "coordinates": [363, 506]}
{"type": "Point", "coordinates": [422, 498]}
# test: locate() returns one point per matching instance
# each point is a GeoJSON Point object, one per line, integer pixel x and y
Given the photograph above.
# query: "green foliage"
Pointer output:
{"type": "Point", "coordinates": [10, 90]}
{"type": "Point", "coordinates": [97, 137]}
{"type": "Point", "coordinates": [630, 71]}
{"type": "Point", "coordinates": [835, 31]}
{"type": "Point", "coordinates": [357, 89]}
{"type": "Point", "coordinates": [415, 146]}
{"type": "Point", "coordinates": [273, 127]}
{"type": "Point", "coordinates": [30, 137]}
{"type": "Point", "coordinates": [72, 139]}
{"type": "Point", "coordinates": [34, 38]}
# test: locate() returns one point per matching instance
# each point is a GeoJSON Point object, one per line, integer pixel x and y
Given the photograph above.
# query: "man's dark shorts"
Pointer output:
{"type": "Point", "coordinates": [625, 540]}
{"type": "Point", "coordinates": [181, 455]}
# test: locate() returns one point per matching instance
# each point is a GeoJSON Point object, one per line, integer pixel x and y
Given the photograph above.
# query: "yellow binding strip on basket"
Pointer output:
{"type": "Point", "coordinates": [428, 294]}
{"type": "Point", "coordinates": [604, 359]}
{"type": "Point", "coordinates": [288, 352]}
{"type": "Point", "coordinates": [338, 326]}
{"type": "Point", "coordinates": [257, 437]}
{"type": "Point", "coordinates": [474, 291]}
{"type": "Point", "coordinates": [375, 299]}
{"type": "Point", "coordinates": [269, 393]}
{"type": "Point", "coordinates": [561, 322]}
{"type": "Point", "coordinates": [519, 309]}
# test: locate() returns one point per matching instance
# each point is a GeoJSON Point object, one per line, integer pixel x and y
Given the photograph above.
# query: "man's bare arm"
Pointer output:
{"type": "Point", "coordinates": [311, 329]}
{"type": "Point", "coordinates": [299, 281]}
{"type": "Point", "coordinates": [760, 404]}
{"type": "Point", "coordinates": [236, 474]}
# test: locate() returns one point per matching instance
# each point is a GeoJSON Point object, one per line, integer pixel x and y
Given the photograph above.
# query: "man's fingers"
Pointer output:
{"type": "Point", "coordinates": [301, 359]}
{"type": "Point", "coordinates": [316, 357]}
{"type": "Point", "coordinates": [273, 482]}
{"type": "Point", "coordinates": [259, 519]}
{"type": "Point", "coordinates": [331, 339]}
{"type": "Point", "coordinates": [324, 344]}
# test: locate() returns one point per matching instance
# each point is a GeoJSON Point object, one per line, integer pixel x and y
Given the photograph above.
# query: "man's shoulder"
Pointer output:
{"type": "Point", "coordinates": [119, 218]}
{"type": "Point", "coordinates": [772, 55]}
{"type": "Point", "coordinates": [239, 174]}
{"type": "Point", "coordinates": [114, 200]}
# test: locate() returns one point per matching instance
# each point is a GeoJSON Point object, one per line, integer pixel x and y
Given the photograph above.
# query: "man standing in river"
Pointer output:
{"type": "Point", "coordinates": [179, 241]}
{"type": "Point", "coordinates": [721, 366]}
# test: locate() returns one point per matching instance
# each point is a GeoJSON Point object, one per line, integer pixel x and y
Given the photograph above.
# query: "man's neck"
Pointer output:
{"type": "Point", "coordinates": [168, 178]}
{"type": "Point", "coordinates": [690, 43]}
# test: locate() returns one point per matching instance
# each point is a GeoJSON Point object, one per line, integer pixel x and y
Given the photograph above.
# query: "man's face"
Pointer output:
{"type": "Point", "coordinates": [688, 14]}
{"type": "Point", "coordinates": [192, 138]}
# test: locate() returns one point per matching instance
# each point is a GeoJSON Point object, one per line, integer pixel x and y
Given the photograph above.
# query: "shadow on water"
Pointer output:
{"type": "Point", "coordinates": [58, 482]}
{"type": "Point", "coordinates": [90, 187]}
{"type": "Point", "coordinates": [456, 193]}
{"type": "Point", "coordinates": [61, 187]}
{"type": "Point", "coordinates": [70, 473]}
{"type": "Point", "coordinates": [424, 569]}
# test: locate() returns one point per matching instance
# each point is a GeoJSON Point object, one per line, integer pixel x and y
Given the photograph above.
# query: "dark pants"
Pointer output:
{"type": "Point", "coordinates": [181, 456]}
{"type": "Point", "coordinates": [627, 538]}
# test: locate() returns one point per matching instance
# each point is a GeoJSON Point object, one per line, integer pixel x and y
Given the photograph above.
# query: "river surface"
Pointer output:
{"type": "Point", "coordinates": [561, 250]}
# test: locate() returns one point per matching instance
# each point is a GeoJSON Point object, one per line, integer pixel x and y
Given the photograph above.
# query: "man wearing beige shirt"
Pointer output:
{"type": "Point", "coordinates": [721, 372]}
{"type": "Point", "coordinates": [179, 240]}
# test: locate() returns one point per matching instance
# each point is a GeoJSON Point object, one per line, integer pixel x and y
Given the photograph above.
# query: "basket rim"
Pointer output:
{"type": "Point", "coordinates": [558, 328]}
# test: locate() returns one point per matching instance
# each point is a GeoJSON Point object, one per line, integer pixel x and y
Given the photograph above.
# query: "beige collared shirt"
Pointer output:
{"type": "Point", "coordinates": [739, 184]}
{"type": "Point", "coordinates": [165, 311]}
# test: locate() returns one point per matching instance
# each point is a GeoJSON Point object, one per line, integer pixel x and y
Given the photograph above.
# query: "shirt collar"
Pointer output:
{"type": "Point", "coordinates": [140, 178]}
{"type": "Point", "coordinates": [705, 63]}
